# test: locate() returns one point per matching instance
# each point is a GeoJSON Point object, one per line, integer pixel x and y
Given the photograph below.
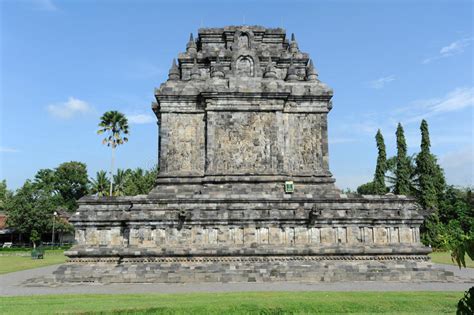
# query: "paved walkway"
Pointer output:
{"type": "Point", "coordinates": [12, 284]}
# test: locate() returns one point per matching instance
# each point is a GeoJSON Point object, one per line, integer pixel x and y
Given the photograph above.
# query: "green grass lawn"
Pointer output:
{"type": "Point", "coordinates": [445, 258]}
{"type": "Point", "coordinates": [13, 263]}
{"type": "Point", "coordinates": [238, 303]}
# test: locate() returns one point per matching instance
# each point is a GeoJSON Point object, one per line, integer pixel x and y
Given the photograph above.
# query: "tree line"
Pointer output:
{"type": "Point", "coordinates": [451, 221]}
{"type": "Point", "coordinates": [30, 209]}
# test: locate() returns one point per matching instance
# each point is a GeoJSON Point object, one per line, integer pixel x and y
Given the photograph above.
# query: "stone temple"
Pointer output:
{"type": "Point", "coordinates": [244, 191]}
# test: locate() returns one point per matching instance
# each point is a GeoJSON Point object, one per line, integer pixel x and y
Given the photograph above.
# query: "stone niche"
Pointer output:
{"type": "Point", "coordinates": [242, 114]}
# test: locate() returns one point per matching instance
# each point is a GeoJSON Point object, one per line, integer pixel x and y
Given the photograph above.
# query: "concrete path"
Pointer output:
{"type": "Point", "coordinates": [13, 284]}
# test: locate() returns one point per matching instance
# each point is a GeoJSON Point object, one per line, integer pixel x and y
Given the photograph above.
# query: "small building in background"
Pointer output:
{"type": "Point", "coordinates": [7, 234]}
{"type": "Point", "coordinates": [10, 235]}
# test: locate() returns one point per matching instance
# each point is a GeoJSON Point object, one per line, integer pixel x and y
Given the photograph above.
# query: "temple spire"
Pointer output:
{"type": "Point", "coordinates": [217, 71]}
{"type": "Point", "coordinates": [293, 45]}
{"type": "Point", "coordinates": [174, 73]}
{"type": "Point", "coordinates": [191, 45]}
{"type": "Point", "coordinates": [195, 73]}
{"type": "Point", "coordinates": [270, 72]}
{"type": "Point", "coordinates": [311, 73]}
{"type": "Point", "coordinates": [291, 74]}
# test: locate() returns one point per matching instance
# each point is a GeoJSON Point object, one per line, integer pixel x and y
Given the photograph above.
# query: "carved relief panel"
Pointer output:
{"type": "Point", "coordinates": [182, 144]}
{"type": "Point", "coordinates": [304, 153]}
{"type": "Point", "coordinates": [243, 143]}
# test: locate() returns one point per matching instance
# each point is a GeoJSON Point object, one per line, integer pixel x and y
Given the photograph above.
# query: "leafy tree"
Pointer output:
{"type": "Point", "coordinates": [5, 194]}
{"type": "Point", "coordinates": [30, 211]}
{"type": "Point", "coordinates": [71, 182]}
{"type": "Point", "coordinates": [470, 198]}
{"type": "Point", "coordinates": [452, 222]}
{"type": "Point", "coordinates": [445, 236]}
{"type": "Point", "coordinates": [140, 182]}
{"type": "Point", "coordinates": [431, 188]}
{"type": "Point", "coordinates": [439, 180]}
{"type": "Point", "coordinates": [99, 184]}
{"type": "Point", "coordinates": [114, 124]}
{"type": "Point", "coordinates": [458, 252]}
{"type": "Point", "coordinates": [127, 182]}
{"type": "Point", "coordinates": [452, 217]}
{"type": "Point", "coordinates": [426, 171]}
{"type": "Point", "coordinates": [35, 237]}
{"type": "Point", "coordinates": [466, 304]}
{"type": "Point", "coordinates": [45, 179]}
{"type": "Point", "coordinates": [402, 171]}
{"type": "Point", "coordinates": [381, 168]}
{"type": "Point", "coordinates": [456, 206]}
{"type": "Point", "coordinates": [461, 249]}
{"type": "Point", "coordinates": [120, 180]}
{"type": "Point", "coordinates": [366, 189]}
{"type": "Point", "coordinates": [377, 186]}
{"type": "Point", "coordinates": [391, 177]}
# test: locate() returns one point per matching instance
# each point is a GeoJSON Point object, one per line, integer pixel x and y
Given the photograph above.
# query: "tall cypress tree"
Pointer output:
{"type": "Point", "coordinates": [402, 171]}
{"type": "Point", "coordinates": [431, 187]}
{"type": "Point", "coordinates": [381, 168]}
{"type": "Point", "coordinates": [427, 171]}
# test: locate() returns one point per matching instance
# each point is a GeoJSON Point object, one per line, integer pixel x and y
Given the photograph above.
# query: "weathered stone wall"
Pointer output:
{"type": "Point", "coordinates": [252, 269]}
{"type": "Point", "coordinates": [182, 144]}
{"type": "Point", "coordinates": [306, 154]}
{"type": "Point", "coordinates": [234, 225]}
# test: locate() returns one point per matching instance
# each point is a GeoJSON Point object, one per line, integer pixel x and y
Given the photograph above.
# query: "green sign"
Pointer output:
{"type": "Point", "coordinates": [289, 187]}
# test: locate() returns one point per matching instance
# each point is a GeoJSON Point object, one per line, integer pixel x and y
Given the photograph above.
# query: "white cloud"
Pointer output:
{"type": "Point", "coordinates": [381, 82]}
{"type": "Point", "coordinates": [141, 119]}
{"type": "Point", "coordinates": [8, 150]}
{"type": "Point", "coordinates": [455, 48]}
{"type": "Point", "coordinates": [459, 166]}
{"type": "Point", "coordinates": [44, 5]}
{"type": "Point", "coordinates": [455, 100]}
{"type": "Point", "coordinates": [69, 109]}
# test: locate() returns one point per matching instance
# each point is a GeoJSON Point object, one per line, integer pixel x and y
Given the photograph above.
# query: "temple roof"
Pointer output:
{"type": "Point", "coordinates": [243, 59]}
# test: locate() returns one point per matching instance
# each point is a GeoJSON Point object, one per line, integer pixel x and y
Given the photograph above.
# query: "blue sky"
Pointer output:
{"type": "Point", "coordinates": [64, 63]}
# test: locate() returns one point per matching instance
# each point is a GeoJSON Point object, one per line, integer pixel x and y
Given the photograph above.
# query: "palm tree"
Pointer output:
{"type": "Point", "coordinates": [99, 183]}
{"type": "Point", "coordinates": [135, 182]}
{"type": "Point", "coordinates": [120, 181]}
{"type": "Point", "coordinates": [391, 169]}
{"type": "Point", "coordinates": [113, 124]}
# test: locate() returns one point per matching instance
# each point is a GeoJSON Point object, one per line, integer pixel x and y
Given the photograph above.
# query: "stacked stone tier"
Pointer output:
{"type": "Point", "coordinates": [143, 226]}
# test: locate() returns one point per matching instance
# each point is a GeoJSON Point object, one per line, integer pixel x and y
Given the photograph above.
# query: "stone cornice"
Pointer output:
{"type": "Point", "coordinates": [261, 251]}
